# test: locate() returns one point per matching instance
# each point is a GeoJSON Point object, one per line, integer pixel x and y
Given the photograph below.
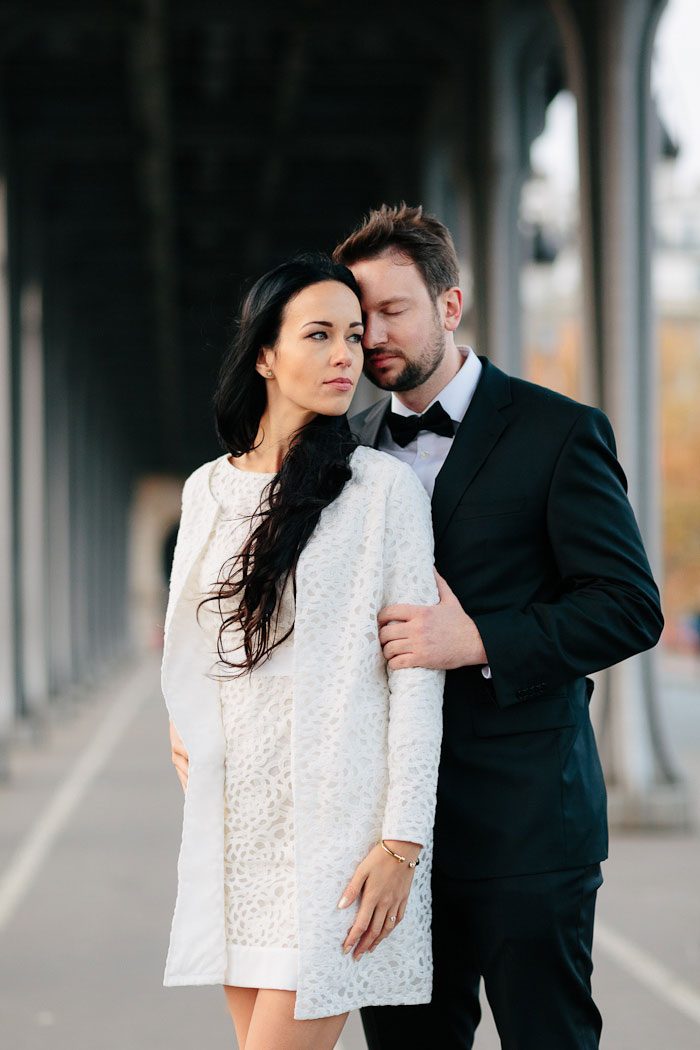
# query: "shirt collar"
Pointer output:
{"type": "Point", "coordinates": [456, 396]}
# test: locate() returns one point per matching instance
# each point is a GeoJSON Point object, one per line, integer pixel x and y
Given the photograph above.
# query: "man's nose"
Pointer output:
{"type": "Point", "coordinates": [375, 333]}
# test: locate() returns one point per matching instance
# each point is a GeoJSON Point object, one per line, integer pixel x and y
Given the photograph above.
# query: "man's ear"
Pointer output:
{"type": "Point", "coordinates": [452, 301]}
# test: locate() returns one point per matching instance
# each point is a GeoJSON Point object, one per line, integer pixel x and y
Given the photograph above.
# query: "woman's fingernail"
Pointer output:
{"type": "Point", "coordinates": [343, 902]}
{"type": "Point", "coordinates": [348, 949]}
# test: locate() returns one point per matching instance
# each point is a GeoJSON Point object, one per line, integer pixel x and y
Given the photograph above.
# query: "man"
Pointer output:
{"type": "Point", "coordinates": [543, 579]}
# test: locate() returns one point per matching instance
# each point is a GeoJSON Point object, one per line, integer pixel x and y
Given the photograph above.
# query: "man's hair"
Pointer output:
{"type": "Point", "coordinates": [424, 240]}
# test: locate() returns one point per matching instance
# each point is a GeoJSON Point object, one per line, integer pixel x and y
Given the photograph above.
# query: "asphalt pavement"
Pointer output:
{"type": "Point", "coordinates": [89, 832]}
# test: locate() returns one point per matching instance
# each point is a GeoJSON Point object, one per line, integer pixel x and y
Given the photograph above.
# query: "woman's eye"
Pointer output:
{"type": "Point", "coordinates": [355, 338]}
{"type": "Point", "coordinates": [314, 335]}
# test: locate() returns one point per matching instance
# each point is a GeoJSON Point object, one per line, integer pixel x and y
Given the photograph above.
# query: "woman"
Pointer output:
{"type": "Point", "coordinates": [312, 766]}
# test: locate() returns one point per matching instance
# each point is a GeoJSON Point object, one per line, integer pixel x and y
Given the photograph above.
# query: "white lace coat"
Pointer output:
{"type": "Point", "coordinates": [365, 740]}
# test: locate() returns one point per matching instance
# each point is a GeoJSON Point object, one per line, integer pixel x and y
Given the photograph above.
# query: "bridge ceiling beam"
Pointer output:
{"type": "Point", "coordinates": [151, 98]}
{"type": "Point", "coordinates": [186, 147]}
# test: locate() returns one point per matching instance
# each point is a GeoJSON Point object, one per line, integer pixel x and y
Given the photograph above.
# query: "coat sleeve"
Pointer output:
{"type": "Point", "coordinates": [178, 570]}
{"type": "Point", "coordinates": [608, 606]}
{"type": "Point", "coordinates": [177, 565]}
{"type": "Point", "coordinates": [415, 719]}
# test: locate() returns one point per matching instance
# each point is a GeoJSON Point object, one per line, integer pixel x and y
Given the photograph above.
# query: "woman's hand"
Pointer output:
{"type": "Point", "coordinates": [384, 884]}
{"type": "Point", "coordinates": [180, 757]}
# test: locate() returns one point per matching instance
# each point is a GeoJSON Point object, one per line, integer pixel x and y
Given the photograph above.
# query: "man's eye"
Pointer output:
{"type": "Point", "coordinates": [392, 313]}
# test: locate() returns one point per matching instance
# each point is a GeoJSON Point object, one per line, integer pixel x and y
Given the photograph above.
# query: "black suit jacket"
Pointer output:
{"type": "Point", "coordinates": [535, 535]}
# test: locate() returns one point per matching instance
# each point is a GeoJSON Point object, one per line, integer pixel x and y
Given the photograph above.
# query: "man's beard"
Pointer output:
{"type": "Point", "coordinates": [414, 373]}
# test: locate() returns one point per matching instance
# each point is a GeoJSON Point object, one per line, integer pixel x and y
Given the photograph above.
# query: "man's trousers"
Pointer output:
{"type": "Point", "coordinates": [530, 938]}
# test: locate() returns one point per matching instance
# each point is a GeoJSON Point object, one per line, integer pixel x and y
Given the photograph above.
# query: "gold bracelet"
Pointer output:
{"type": "Point", "coordinates": [397, 856]}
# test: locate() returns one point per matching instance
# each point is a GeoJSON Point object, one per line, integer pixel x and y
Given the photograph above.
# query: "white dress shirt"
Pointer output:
{"type": "Point", "coordinates": [428, 451]}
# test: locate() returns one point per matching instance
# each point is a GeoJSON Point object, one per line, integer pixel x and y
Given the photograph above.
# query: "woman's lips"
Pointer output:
{"type": "Point", "coordinates": [342, 384]}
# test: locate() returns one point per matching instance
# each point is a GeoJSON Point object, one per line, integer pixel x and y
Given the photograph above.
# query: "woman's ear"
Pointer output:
{"type": "Point", "coordinates": [263, 365]}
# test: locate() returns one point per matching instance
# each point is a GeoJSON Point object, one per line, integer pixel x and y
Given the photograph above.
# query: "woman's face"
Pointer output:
{"type": "Point", "coordinates": [317, 359]}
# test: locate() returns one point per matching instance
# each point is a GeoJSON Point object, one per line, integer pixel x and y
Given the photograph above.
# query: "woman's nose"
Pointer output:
{"type": "Point", "coordinates": [341, 353]}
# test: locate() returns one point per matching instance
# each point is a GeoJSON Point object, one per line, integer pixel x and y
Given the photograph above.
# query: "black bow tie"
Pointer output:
{"type": "Point", "coordinates": [405, 428]}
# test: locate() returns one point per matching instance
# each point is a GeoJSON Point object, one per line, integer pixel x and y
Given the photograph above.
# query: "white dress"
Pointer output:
{"type": "Point", "coordinates": [365, 740]}
{"type": "Point", "coordinates": [256, 709]}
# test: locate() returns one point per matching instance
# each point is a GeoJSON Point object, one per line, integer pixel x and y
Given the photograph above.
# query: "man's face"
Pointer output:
{"type": "Point", "coordinates": [404, 339]}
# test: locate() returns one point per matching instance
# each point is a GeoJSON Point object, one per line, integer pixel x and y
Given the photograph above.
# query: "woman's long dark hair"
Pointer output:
{"type": "Point", "coordinates": [312, 474]}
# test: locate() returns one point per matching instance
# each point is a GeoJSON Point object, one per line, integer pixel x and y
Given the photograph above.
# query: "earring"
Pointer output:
{"type": "Point", "coordinates": [269, 373]}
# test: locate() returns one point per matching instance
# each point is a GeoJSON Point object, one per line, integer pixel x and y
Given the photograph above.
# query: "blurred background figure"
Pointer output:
{"type": "Point", "coordinates": [157, 155]}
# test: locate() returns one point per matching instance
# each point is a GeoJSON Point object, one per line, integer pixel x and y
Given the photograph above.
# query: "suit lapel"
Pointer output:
{"type": "Point", "coordinates": [476, 435]}
{"type": "Point", "coordinates": [367, 428]}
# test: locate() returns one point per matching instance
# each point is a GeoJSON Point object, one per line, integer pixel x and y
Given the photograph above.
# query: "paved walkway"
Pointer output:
{"type": "Point", "coordinates": [88, 837]}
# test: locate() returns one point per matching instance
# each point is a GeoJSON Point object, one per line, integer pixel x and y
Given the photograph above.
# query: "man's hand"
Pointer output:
{"type": "Point", "coordinates": [436, 636]}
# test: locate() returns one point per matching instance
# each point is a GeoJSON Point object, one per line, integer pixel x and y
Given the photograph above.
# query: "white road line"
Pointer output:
{"type": "Point", "coordinates": [645, 969]}
{"type": "Point", "coordinates": [30, 855]}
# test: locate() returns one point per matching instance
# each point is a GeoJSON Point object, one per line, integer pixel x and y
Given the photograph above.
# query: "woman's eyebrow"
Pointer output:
{"type": "Point", "coordinates": [329, 324]}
